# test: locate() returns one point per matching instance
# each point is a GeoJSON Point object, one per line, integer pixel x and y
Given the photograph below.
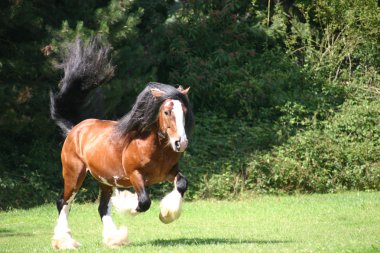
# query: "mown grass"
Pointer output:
{"type": "Point", "coordinates": [346, 222]}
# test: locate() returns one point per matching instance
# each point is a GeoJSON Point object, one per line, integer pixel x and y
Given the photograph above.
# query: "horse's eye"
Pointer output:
{"type": "Point", "coordinates": [167, 113]}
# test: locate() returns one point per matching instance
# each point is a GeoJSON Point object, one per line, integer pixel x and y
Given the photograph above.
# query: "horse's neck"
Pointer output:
{"type": "Point", "coordinates": [150, 147]}
{"type": "Point", "coordinates": [152, 138]}
{"type": "Point", "coordinates": [161, 145]}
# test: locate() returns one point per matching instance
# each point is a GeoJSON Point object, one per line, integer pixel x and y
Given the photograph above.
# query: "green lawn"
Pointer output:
{"type": "Point", "coordinates": [347, 222]}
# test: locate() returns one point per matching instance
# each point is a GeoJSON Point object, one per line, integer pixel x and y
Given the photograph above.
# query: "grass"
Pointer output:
{"type": "Point", "coordinates": [346, 222]}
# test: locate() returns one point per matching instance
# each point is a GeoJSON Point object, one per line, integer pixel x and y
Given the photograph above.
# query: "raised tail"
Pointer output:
{"type": "Point", "coordinates": [86, 67]}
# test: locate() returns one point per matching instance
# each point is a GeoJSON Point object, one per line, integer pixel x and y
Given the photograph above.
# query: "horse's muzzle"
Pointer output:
{"type": "Point", "coordinates": [181, 144]}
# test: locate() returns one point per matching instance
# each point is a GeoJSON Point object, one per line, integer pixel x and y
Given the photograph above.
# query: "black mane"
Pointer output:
{"type": "Point", "coordinates": [143, 115]}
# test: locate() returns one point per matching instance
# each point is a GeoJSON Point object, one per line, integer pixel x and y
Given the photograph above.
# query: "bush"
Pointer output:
{"type": "Point", "coordinates": [216, 160]}
{"type": "Point", "coordinates": [340, 155]}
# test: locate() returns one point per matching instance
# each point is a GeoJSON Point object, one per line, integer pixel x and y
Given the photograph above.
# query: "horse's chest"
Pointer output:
{"type": "Point", "coordinates": [157, 171]}
{"type": "Point", "coordinates": [152, 161]}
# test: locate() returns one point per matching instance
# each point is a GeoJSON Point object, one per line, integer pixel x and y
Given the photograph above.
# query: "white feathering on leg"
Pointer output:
{"type": "Point", "coordinates": [62, 238]}
{"type": "Point", "coordinates": [113, 237]}
{"type": "Point", "coordinates": [171, 206]}
{"type": "Point", "coordinates": [125, 202]}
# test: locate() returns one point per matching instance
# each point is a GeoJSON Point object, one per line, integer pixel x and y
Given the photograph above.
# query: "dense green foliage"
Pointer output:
{"type": "Point", "coordinates": [286, 95]}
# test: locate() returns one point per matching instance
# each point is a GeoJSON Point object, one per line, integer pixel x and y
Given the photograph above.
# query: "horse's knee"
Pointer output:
{"type": "Point", "coordinates": [143, 203]}
{"type": "Point", "coordinates": [181, 184]}
{"type": "Point", "coordinates": [65, 199]}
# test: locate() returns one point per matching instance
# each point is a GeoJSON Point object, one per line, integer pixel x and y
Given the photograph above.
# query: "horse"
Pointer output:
{"type": "Point", "coordinates": [140, 149]}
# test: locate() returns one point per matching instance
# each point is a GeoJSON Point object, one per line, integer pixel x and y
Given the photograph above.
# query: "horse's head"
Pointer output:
{"type": "Point", "coordinates": [171, 120]}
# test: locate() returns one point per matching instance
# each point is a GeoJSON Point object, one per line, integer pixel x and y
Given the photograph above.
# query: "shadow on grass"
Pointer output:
{"type": "Point", "coordinates": [10, 233]}
{"type": "Point", "coordinates": [207, 241]}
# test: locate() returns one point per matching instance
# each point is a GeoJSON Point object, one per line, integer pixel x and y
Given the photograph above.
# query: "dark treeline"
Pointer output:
{"type": "Point", "coordinates": [285, 93]}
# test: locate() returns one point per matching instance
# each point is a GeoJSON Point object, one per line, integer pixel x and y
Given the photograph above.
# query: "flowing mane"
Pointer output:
{"type": "Point", "coordinates": [143, 115]}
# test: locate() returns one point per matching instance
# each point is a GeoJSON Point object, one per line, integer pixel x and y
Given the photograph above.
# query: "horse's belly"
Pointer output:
{"type": "Point", "coordinates": [114, 181]}
{"type": "Point", "coordinates": [106, 167]}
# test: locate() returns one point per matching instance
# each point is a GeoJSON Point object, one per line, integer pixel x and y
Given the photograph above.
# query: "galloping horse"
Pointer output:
{"type": "Point", "coordinates": [140, 149]}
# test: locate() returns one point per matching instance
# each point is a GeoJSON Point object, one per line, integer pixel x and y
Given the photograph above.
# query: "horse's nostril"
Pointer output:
{"type": "Point", "coordinates": [177, 145]}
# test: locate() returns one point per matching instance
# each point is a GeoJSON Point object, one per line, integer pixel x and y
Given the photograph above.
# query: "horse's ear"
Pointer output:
{"type": "Point", "coordinates": [182, 90]}
{"type": "Point", "coordinates": [157, 92]}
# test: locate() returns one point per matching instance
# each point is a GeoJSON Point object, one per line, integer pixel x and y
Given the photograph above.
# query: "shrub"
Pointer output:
{"type": "Point", "coordinates": [341, 155]}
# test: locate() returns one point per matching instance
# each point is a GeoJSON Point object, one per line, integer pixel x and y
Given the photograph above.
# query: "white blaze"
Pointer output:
{"type": "Point", "coordinates": [180, 123]}
{"type": "Point", "coordinates": [180, 120]}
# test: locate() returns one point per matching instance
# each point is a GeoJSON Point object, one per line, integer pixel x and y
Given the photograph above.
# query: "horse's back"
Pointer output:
{"type": "Point", "coordinates": [87, 132]}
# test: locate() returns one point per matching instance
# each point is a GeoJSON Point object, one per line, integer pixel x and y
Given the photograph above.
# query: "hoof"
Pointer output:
{"type": "Point", "coordinates": [64, 241]}
{"type": "Point", "coordinates": [116, 238]}
{"type": "Point", "coordinates": [167, 218]}
{"type": "Point", "coordinates": [171, 207]}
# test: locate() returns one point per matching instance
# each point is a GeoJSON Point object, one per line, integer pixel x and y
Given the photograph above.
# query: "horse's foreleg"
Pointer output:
{"type": "Point", "coordinates": [133, 203]}
{"type": "Point", "coordinates": [112, 237]}
{"type": "Point", "coordinates": [143, 200]}
{"type": "Point", "coordinates": [73, 180]}
{"type": "Point", "coordinates": [171, 204]}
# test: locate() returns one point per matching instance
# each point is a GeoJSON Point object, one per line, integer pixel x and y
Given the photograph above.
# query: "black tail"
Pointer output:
{"type": "Point", "coordinates": [86, 67]}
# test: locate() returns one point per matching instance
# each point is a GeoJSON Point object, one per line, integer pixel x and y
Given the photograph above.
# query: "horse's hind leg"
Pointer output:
{"type": "Point", "coordinates": [74, 174]}
{"type": "Point", "coordinates": [112, 237]}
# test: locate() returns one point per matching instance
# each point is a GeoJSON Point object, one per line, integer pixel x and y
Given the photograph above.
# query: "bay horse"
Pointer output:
{"type": "Point", "coordinates": [140, 149]}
